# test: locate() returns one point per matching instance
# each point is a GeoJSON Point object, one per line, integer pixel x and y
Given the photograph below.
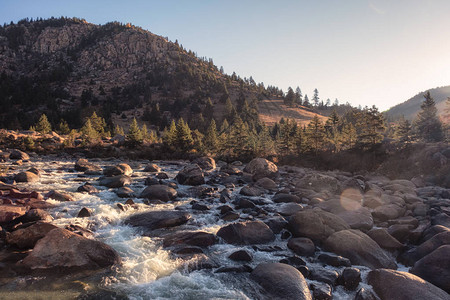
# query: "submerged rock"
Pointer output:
{"type": "Point", "coordinates": [88, 188]}
{"type": "Point", "coordinates": [246, 233]}
{"type": "Point", "coordinates": [65, 251]}
{"type": "Point", "coordinates": [281, 281]}
{"type": "Point", "coordinates": [390, 284]}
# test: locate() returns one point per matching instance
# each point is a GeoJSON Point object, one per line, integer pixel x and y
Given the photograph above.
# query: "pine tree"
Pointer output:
{"type": "Point", "coordinates": [98, 123]}
{"type": "Point", "coordinates": [211, 141]}
{"type": "Point", "coordinates": [184, 138]}
{"type": "Point", "coordinates": [316, 98]}
{"type": "Point", "coordinates": [404, 131]}
{"type": "Point", "coordinates": [170, 134]}
{"type": "Point", "coordinates": [290, 97]}
{"type": "Point", "coordinates": [90, 135]}
{"type": "Point", "coordinates": [134, 133]}
{"type": "Point", "coordinates": [224, 127]}
{"type": "Point", "coordinates": [63, 127]}
{"type": "Point", "coordinates": [43, 125]}
{"type": "Point", "coordinates": [428, 125]}
{"type": "Point", "coordinates": [315, 134]}
{"type": "Point", "coordinates": [370, 127]}
{"type": "Point", "coordinates": [118, 130]}
{"type": "Point", "coordinates": [298, 96]}
{"type": "Point", "coordinates": [306, 101]}
{"type": "Point", "coordinates": [348, 136]}
{"type": "Point", "coordinates": [144, 133]}
{"type": "Point", "coordinates": [208, 112]}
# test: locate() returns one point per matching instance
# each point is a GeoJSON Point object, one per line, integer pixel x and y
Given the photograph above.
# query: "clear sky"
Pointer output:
{"type": "Point", "coordinates": [365, 52]}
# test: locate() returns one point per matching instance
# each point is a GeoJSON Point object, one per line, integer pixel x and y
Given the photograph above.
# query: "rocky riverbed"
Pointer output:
{"type": "Point", "coordinates": [113, 229]}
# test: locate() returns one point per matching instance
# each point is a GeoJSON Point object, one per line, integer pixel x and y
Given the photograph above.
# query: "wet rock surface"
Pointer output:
{"type": "Point", "coordinates": [222, 226]}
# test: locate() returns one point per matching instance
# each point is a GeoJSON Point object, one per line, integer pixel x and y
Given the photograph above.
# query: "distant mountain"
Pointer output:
{"type": "Point", "coordinates": [411, 107]}
{"type": "Point", "coordinates": [67, 68]}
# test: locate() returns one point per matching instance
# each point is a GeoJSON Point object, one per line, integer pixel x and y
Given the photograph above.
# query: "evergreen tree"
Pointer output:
{"type": "Point", "coordinates": [134, 133]}
{"type": "Point", "coordinates": [211, 141]}
{"type": "Point", "coordinates": [118, 130]}
{"type": "Point", "coordinates": [43, 125]}
{"type": "Point", "coordinates": [224, 127]}
{"type": "Point", "coordinates": [184, 138]}
{"type": "Point", "coordinates": [348, 136]}
{"type": "Point", "coordinates": [98, 123]}
{"type": "Point", "coordinates": [404, 131]}
{"type": "Point", "coordinates": [63, 127]}
{"type": "Point", "coordinates": [208, 112]}
{"type": "Point", "coordinates": [290, 97]}
{"type": "Point", "coordinates": [265, 145]}
{"type": "Point", "coordinates": [170, 134]}
{"type": "Point", "coordinates": [306, 101]}
{"type": "Point", "coordinates": [144, 133]}
{"type": "Point", "coordinates": [370, 127]}
{"type": "Point", "coordinates": [90, 135]}
{"type": "Point", "coordinates": [298, 96]}
{"type": "Point", "coordinates": [315, 134]}
{"type": "Point", "coordinates": [155, 115]}
{"type": "Point", "coordinates": [427, 124]}
{"type": "Point", "coordinates": [316, 98]}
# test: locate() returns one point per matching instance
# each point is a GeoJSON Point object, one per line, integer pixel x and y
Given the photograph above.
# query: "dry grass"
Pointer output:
{"type": "Point", "coordinates": [271, 111]}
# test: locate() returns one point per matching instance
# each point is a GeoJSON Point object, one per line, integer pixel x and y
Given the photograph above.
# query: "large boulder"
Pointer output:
{"type": "Point", "coordinates": [9, 213]}
{"type": "Point", "coordinates": [413, 255]}
{"type": "Point", "coordinates": [357, 219]}
{"type": "Point", "coordinates": [206, 163]}
{"type": "Point", "coordinates": [302, 246]}
{"type": "Point", "coordinates": [281, 281]}
{"type": "Point", "coordinates": [285, 198]}
{"type": "Point", "coordinates": [120, 169]}
{"type": "Point", "coordinates": [390, 284]}
{"type": "Point", "coordinates": [159, 192]}
{"type": "Point", "coordinates": [58, 196]}
{"type": "Point", "coordinates": [191, 175]}
{"type": "Point", "coordinates": [315, 224]}
{"type": "Point", "coordinates": [63, 250]}
{"type": "Point", "coordinates": [83, 165]}
{"type": "Point", "coordinates": [154, 168]}
{"type": "Point", "coordinates": [115, 181]}
{"type": "Point", "coordinates": [359, 248]}
{"type": "Point", "coordinates": [158, 219]}
{"type": "Point", "coordinates": [26, 176]}
{"type": "Point", "coordinates": [386, 241]}
{"type": "Point", "coordinates": [192, 238]}
{"type": "Point", "coordinates": [26, 238]}
{"type": "Point", "coordinates": [246, 233]}
{"type": "Point", "coordinates": [260, 168]}
{"type": "Point", "coordinates": [17, 154]}
{"type": "Point", "coordinates": [435, 268]}
{"type": "Point", "coordinates": [319, 183]}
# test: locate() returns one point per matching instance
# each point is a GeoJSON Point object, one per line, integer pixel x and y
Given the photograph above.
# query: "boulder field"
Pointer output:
{"type": "Point", "coordinates": [282, 232]}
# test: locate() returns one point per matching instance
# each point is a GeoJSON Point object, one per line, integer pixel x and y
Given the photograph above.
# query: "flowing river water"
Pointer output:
{"type": "Point", "coordinates": [149, 271]}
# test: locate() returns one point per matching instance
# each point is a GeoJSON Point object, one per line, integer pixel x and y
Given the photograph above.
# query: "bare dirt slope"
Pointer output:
{"type": "Point", "coordinates": [271, 111]}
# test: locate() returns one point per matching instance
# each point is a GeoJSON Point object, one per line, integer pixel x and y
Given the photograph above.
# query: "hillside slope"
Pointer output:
{"type": "Point", "coordinates": [411, 107]}
{"type": "Point", "coordinates": [68, 68]}
{"type": "Point", "coordinates": [273, 110]}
